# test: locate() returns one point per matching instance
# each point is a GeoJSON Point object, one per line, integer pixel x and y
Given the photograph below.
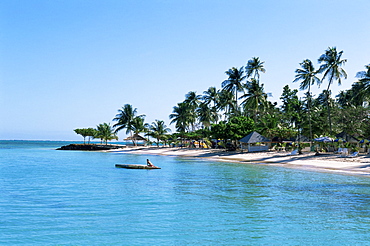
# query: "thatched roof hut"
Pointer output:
{"type": "Point", "coordinates": [135, 137]}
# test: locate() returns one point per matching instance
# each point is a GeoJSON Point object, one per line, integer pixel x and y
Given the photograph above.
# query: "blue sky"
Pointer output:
{"type": "Point", "coordinates": [67, 64]}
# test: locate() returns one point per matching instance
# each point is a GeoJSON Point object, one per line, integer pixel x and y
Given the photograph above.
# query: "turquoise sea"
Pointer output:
{"type": "Point", "coordinates": [51, 197]}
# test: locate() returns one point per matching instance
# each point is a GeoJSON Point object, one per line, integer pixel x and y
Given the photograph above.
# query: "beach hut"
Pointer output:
{"type": "Point", "coordinates": [255, 137]}
{"type": "Point", "coordinates": [136, 138]}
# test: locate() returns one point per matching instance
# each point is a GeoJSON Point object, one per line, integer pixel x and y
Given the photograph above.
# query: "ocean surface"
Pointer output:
{"type": "Point", "coordinates": [51, 197]}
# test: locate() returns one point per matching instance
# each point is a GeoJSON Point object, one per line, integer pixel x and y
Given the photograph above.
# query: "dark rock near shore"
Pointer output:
{"type": "Point", "coordinates": [90, 147]}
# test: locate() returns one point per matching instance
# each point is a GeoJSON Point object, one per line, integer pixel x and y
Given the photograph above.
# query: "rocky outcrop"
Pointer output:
{"type": "Point", "coordinates": [90, 147]}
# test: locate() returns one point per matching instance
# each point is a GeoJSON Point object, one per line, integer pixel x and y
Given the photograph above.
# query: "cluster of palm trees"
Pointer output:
{"type": "Point", "coordinates": [242, 94]}
{"type": "Point", "coordinates": [128, 119]}
{"type": "Point", "coordinates": [198, 111]}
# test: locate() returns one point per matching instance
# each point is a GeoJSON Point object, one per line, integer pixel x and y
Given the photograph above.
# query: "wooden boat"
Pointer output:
{"type": "Point", "coordinates": [136, 166]}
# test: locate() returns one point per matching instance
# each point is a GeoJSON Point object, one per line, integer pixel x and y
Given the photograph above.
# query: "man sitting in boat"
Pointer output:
{"type": "Point", "coordinates": [149, 163]}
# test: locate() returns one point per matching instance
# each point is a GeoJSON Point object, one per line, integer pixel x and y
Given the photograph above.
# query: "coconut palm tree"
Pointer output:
{"type": "Point", "coordinates": [234, 83]}
{"type": "Point", "coordinates": [354, 97]}
{"type": "Point", "coordinates": [365, 80]}
{"type": "Point", "coordinates": [255, 98]}
{"type": "Point", "coordinates": [211, 95]}
{"type": "Point", "coordinates": [147, 131]}
{"type": "Point", "coordinates": [206, 114]}
{"type": "Point", "coordinates": [254, 66]}
{"type": "Point", "coordinates": [331, 68]}
{"type": "Point", "coordinates": [344, 98]}
{"type": "Point", "coordinates": [361, 93]}
{"type": "Point", "coordinates": [364, 75]}
{"type": "Point", "coordinates": [138, 127]}
{"type": "Point", "coordinates": [226, 102]}
{"type": "Point", "coordinates": [127, 119]}
{"type": "Point", "coordinates": [105, 132]}
{"type": "Point", "coordinates": [192, 99]}
{"type": "Point", "coordinates": [181, 115]}
{"type": "Point", "coordinates": [307, 75]}
{"type": "Point", "coordinates": [159, 130]}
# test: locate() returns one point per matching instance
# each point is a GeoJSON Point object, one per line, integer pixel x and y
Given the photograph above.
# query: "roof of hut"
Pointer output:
{"type": "Point", "coordinates": [254, 137]}
{"type": "Point", "coordinates": [136, 137]}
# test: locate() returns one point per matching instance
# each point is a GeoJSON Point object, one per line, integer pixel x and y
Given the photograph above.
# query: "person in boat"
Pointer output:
{"type": "Point", "coordinates": [149, 163]}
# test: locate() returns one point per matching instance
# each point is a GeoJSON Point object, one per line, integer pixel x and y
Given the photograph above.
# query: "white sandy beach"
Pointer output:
{"type": "Point", "coordinates": [309, 161]}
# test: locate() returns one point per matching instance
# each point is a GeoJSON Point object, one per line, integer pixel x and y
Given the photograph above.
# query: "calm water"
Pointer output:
{"type": "Point", "coordinates": [51, 197]}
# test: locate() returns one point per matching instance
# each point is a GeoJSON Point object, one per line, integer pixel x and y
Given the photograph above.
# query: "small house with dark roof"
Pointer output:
{"type": "Point", "coordinates": [253, 138]}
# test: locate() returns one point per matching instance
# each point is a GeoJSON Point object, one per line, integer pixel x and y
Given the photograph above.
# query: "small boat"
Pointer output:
{"type": "Point", "coordinates": [136, 166]}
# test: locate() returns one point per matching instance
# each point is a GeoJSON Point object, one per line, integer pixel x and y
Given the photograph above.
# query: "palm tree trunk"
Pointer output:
{"type": "Point", "coordinates": [256, 110]}
{"type": "Point", "coordinates": [236, 100]}
{"type": "Point", "coordinates": [327, 103]}
{"type": "Point", "coordinates": [309, 115]}
{"type": "Point", "coordinates": [132, 139]}
{"type": "Point", "coordinates": [329, 114]}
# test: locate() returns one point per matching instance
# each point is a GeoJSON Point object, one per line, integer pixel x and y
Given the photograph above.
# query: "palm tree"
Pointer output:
{"type": "Point", "coordinates": [255, 98]}
{"type": "Point", "coordinates": [181, 116]}
{"type": "Point", "coordinates": [268, 124]}
{"type": "Point", "coordinates": [105, 132]}
{"type": "Point", "coordinates": [344, 98]}
{"type": "Point", "coordinates": [192, 99]}
{"type": "Point", "coordinates": [332, 70]}
{"type": "Point", "coordinates": [254, 66]}
{"type": "Point", "coordinates": [127, 119]}
{"type": "Point", "coordinates": [354, 97]}
{"type": "Point", "coordinates": [226, 102]}
{"type": "Point", "coordinates": [159, 130]}
{"type": "Point", "coordinates": [365, 80]}
{"type": "Point", "coordinates": [138, 126]}
{"type": "Point", "coordinates": [307, 75]}
{"type": "Point", "coordinates": [211, 95]}
{"type": "Point", "coordinates": [234, 83]}
{"type": "Point", "coordinates": [364, 75]}
{"type": "Point", "coordinates": [147, 130]}
{"type": "Point", "coordinates": [207, 114]}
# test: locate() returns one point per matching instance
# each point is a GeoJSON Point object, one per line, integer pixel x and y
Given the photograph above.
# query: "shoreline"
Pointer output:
{"type": "Point", "coordinates": [307, 161]}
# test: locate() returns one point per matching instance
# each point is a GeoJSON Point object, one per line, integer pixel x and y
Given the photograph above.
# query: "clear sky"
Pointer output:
{"type": "Point", "coordinates": [67, 64]}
